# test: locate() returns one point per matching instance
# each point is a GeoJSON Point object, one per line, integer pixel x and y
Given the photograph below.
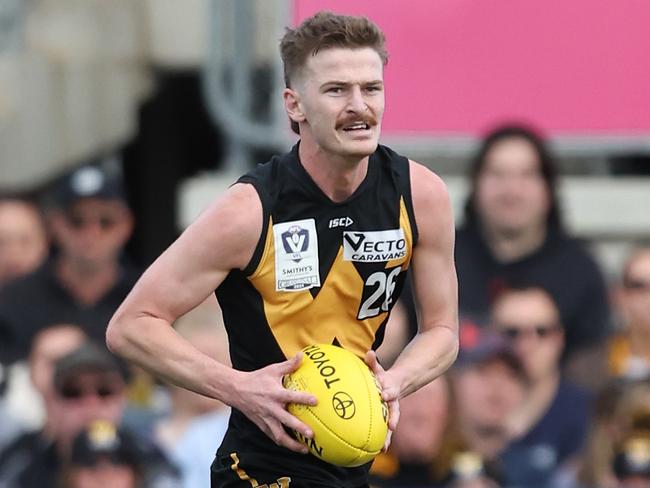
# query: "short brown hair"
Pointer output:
{"type": "Point", "coordinates": [327, 30]}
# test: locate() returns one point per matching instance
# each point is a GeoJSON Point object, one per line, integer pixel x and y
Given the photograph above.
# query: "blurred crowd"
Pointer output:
{"type": "Point", "coordinates": [551, 388]}
{"type": "Point", "coordinates": [71, 413]}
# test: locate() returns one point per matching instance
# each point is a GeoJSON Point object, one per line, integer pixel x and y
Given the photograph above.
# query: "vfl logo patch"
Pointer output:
{"type": "Point", "coordinates": [295, 241]}
{"type": "Point", "coordinates": [366, 246]}
{"type": "Point", "coordinates": [296, 255]}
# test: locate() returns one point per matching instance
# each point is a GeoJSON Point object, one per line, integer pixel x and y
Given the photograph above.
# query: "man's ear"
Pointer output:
{"type": "Point", "coordinates": [293, 106]}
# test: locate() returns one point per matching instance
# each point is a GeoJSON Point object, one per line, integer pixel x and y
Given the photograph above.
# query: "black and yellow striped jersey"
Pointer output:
{"type": "Point", "coordinates": [322, 272]}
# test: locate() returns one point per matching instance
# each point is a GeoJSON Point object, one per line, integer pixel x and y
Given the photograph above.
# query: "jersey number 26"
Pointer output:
{"type": "Point", "coordinates": [381, 286]}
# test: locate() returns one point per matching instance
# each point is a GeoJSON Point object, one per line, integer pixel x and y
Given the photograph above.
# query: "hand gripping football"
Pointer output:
{"type": "Point", "coordinates": [350, 420]}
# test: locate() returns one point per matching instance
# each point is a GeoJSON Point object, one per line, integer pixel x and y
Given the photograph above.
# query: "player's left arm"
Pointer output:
{"type": "Point", "coordinates": [435, 346]}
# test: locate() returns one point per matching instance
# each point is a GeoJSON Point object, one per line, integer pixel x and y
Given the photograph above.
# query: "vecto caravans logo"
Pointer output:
{"type": "Point", "coordinates": [382, 245]}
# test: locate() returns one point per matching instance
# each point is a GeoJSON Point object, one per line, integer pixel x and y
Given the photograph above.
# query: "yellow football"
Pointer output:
{"type": "Point", "coordinates": [350, 421]}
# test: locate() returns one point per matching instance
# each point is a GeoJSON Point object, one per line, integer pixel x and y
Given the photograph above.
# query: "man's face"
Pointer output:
{"type": "Point", "coordinates": [84, 397]}
{"type": "Point", "coordinates": [487, 393]}
{"type": "Point", "coordinates": [93, 231]}
{"type": "Point", "coordinates": [23, 241]}
{"type": "Point", "coordinates": [531, 321]}
{"type": "Point", "coordinates": [511, 194]}
{"type": "Point", "coordinates": [340, 101]}
{"type": "Point", "coordinates": [634, 296]}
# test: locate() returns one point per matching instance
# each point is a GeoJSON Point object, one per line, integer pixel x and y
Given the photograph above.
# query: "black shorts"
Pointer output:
{"type": "Point", "coordinates": [247, 458]}
{"type": "Point", "coordinates": [259, 471]}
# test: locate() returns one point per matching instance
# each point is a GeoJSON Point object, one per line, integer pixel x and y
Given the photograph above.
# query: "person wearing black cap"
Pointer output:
{"type": "Point", "coordinates": [631, 462]}
{"type": "Point", "coordinates": [88, 385]}
{"type": "Point", "coordinates": [489, 383]}
{"type": "Point", "coordinates": [629, 453]}
{"type": "Point", "coordinates": [86, 279]}
{"type": "Point", "coordinates": [103, 455]}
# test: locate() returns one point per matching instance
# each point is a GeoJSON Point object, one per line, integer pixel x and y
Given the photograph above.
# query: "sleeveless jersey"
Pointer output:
{"type": "Point", "coordinates": [322, 272]}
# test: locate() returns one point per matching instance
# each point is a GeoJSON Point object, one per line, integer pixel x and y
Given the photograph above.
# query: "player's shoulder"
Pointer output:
{"type": "Point", "coordinates": [240, 199]}
{"type": "Point", "coordinates": [427, 187]}
{"type": "Point", "coordinates": [228, 230]}
{"type": "Point", "coordinates": [275, 167]}
{"type": "Point", "coordinates": [237, 211]}
{"type": "Point", "coordinates": [269, 178]}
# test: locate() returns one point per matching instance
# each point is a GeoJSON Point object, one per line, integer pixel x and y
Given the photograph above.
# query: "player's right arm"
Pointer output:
{"type": "Point", "coordinates": [223, 238]}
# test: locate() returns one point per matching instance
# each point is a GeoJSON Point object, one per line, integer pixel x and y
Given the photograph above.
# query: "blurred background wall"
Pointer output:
{"type": "Point", "coordinates": [187, 95]}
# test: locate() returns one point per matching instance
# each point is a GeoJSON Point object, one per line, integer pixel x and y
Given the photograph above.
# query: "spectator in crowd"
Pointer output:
{"type": "Point", "coordinates": [33, 459]}
{"type": "Point", "coordinates": [549, 427]}
{"type": "Point", "coordinates": [8, 427]}
{"type": "Point", "coordinates": [196, 423]}
{"type": "Point", "coordinates": [513, 232]}
{"type": "Point", "coordinates": [88, 385]}
{"type": "Point", "coordinates": [470, 471]}
{"type": "Point", "coordinates": [618, 407]}
{"type": "Point", "coordinates": [23, 239]}
{"type": "Point", "coordinates": [23, 247]}
{"type": "Point", "coordinates": [103, 456]}
{"type": "Point", "coordinates": [629, 350]}
{"type": "Point", "coordinates": [631, 464]}
{"type": "Point", "coordinates": [85, 281]}
{"type": "Point", "coordinates": [415, 457]}
{"type": "Point", "coordinates": [30, 384]}
{"type": "Point", "coordinates": [489, 384]}
{"type": "Point", "coordinates": [427, 448]}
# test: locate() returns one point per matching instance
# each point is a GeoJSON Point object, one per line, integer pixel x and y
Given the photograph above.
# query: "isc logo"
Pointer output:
{"type": "Point", "coordinates": [341, 222]}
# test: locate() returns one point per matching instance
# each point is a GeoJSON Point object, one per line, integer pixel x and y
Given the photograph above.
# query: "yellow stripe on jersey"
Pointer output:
{"type": "Point", "coordinates": [405, 224]}
{"type": "Point", "coordinates": [297, 319]}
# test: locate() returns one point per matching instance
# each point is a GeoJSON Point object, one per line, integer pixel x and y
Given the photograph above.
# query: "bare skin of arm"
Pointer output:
{"type": "Point", "coordinates": [435, 346]}
{"type": "Point", "coordinates": [222, 238]}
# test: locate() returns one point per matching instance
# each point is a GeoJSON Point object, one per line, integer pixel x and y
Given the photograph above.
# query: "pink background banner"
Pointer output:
{"type": "Point", "coordinates": [458, 66]}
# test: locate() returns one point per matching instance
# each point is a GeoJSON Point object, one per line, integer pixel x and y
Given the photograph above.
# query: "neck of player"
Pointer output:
{"type": "Point", "coordinates": [338, 177]}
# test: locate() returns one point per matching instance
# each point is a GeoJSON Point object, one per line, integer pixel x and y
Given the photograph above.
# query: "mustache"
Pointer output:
{"type": "Point", "coordinates": [366, 117]}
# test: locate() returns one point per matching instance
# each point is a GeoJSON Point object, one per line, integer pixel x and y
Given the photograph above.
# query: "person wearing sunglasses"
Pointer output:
{"type": "Point", "coordinates": [549, 427]}
{"type": "Point", "coordinates": [30, 399]}
{"type": "Point", "coordinates": [86, 278]}
{"type": "Point", "coordinates": [513, 230]}
{"type": "Point", "coordinates": [629, 350]}
{"type": "Point", "coordinates": [88, 385]}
